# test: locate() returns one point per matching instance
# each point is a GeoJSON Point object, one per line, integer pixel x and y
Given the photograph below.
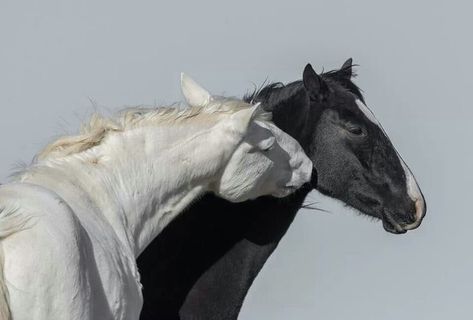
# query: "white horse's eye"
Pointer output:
{"type": "Point", "coordinates": [267, 144]}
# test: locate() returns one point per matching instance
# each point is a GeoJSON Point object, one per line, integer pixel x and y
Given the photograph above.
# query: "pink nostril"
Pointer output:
{"type": "Point", "coordinates": [420, 209]}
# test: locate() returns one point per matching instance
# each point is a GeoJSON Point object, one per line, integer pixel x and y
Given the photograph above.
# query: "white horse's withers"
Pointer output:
{"type": "Point", "coordinates": [73, 223]}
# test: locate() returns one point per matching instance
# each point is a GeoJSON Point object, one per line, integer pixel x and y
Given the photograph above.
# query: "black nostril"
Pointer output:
{"type": "Point", "coordinates": [411, 213]}
{"type": "Point", "coordinates": [411, 218]}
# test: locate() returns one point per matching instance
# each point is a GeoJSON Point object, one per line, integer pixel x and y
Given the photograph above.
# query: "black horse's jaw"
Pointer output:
{"type": "Point", "coordinates": [313, 179]}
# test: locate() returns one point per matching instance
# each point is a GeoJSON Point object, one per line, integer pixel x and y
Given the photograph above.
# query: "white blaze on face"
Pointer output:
{"type": "Point", "coordinates": [368, 113]}
{"type": "Point", "coordinates": [413, 189]}
{"type": "Point", "coordinates": [415, 194]}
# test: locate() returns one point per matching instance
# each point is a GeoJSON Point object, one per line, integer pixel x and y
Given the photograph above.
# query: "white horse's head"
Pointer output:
{"type": "Point", "coordinates": [265, 160]}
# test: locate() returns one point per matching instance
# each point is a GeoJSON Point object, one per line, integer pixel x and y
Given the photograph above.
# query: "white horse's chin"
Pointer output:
{"type": "Point", "coordinates": [243, 196]}
{"type": "Point", "coordinates": [284, 192]}
{"type": "Point", "coordinates": [235, 197]}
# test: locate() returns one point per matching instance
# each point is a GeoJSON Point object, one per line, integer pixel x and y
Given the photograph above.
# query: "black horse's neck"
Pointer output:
{"type": "Point", "coordinates": [289, 105]}
{"type": "Point", "coordinates": [202, 265]}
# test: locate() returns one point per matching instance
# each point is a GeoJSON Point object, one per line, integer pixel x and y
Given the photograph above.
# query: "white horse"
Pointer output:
{"type": "Point", "coordinates": [72, 225]}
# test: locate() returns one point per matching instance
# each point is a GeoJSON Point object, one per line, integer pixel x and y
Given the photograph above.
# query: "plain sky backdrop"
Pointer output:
{"type": "Point", "coordinates": [60, 60]}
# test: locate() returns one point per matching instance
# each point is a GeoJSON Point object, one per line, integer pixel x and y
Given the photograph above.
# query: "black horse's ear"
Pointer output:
{"type": "Point", "coordinates": [314, 84]}
{"type": "Point", "coordinates": [346, 69]}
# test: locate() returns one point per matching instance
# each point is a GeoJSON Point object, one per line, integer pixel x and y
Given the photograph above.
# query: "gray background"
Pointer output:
{"type": "Point", "coordinates": [415, 69]}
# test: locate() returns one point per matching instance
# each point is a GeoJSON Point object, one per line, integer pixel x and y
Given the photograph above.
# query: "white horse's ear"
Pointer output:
{"type": "Point", "coordinates": [257, 110]}
{"type": "Point", "coordinates": [195, 95]}
{"type": "Point", "coordinates": [242, 119]}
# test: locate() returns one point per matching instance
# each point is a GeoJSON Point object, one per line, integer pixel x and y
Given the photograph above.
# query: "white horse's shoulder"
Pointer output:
{"type": "Point", "coordinates": [55, 251]}
{"type": "Point", "coordinates": [39, 205]}
{"type": "Point", "coordinates": [45, 255]}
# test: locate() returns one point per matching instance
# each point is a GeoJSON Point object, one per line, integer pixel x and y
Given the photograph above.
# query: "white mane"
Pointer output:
{"type": "Point", "coordinates": [96, 129]}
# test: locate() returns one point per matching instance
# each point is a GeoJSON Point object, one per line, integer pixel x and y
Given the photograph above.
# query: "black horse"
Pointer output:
{"type": "Point", "coordinates": [202, 265]}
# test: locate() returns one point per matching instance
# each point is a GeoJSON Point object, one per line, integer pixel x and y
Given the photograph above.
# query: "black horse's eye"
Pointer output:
{"type": "Point", "coordinates": [355, 130]}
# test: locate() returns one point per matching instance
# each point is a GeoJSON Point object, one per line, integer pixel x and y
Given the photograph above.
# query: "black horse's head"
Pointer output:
{"type": "Point", "coordinates": [354, 159]}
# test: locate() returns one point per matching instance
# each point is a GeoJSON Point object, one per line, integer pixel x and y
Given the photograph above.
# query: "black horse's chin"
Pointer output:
{"type": "Point", "coordinates": [390, 225]}
{"type": "Point", "coordinates": [372, 207]}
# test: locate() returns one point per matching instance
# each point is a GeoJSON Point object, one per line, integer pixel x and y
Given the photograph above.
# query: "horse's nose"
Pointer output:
{"type": "Point", "coordinates": [417, 214]}
{"type": "Point", "coordinates": [421, 209]}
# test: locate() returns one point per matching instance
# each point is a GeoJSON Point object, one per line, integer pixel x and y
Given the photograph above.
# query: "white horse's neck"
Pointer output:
{"type": "Point", "coordinates": [139, 179]}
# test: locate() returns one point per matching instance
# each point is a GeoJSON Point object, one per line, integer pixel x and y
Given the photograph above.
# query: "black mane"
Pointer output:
{"type": "Point", "coordinates": [264, 92]}
{"type": "Point", "coordinates": [347, 83]}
